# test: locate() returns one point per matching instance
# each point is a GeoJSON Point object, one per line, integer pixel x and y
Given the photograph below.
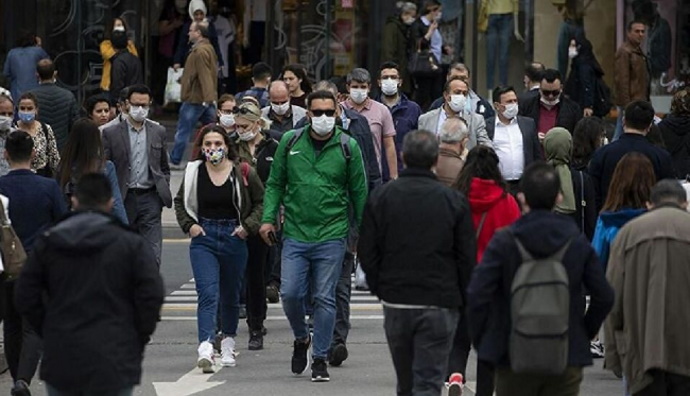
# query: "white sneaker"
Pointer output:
{"type": "Point", "coordinates": [227, 352]}
{"type": "Point", "coordinates": [205, 361]}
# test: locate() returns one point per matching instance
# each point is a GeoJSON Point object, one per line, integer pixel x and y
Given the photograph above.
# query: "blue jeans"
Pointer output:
{"type": "Point", "coordinates": [619, 123]}
{"type": "Point", "coordinates": [190, 114]}
{"type": "Point", "coordinates": [315, 265]}
{"type": "Point", "coordinates": [121, 392]}
{"type": "Point", "coordinates": [498, 39]}
{"type": "Point", "coordinates": [219, 262]}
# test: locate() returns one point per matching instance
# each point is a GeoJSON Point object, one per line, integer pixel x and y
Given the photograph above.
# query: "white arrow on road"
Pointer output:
{"type": "Point", "coordinates": [189, 384]}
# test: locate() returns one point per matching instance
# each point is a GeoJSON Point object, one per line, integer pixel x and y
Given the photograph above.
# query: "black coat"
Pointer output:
{"type": "Point", "coordinates": [585, 216]}
{"type": "Point", "coordinates": [417, 242]}
{"type": "Point", "coordinates": [126, 71]}
{"type": "Point", "coordinates": [675, 131]}
{"type": "Point", "coordinates": [569, 112]}
{"type": "Point", "coordinates": [542, 233]}
{"type": "Point", "coordinates": [59, 109]}
{"type": "Point", "coordinates": [92, 291]}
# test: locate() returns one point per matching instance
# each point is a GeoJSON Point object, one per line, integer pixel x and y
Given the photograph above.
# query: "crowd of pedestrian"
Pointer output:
{"type": "Point", "coordinates": [507, 224]}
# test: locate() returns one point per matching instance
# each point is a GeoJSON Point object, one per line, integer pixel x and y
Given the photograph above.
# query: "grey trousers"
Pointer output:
{"type": "Point", "coordinates": [144, 214]}
{"type": "Point", "coordinates": [420, 341]}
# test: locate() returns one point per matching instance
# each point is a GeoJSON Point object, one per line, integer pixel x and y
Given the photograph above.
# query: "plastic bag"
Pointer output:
{"type": "Point", "coordinates": [173, 88]}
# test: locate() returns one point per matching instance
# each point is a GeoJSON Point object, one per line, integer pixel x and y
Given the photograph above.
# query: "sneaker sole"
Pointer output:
{"type": "Point", "coordinates": [205, 365]}
{"type": "Point", "coordinates": [255, 348]}
{"type": "Point", "coordinates": [454, 390]}
{"type": "Point", "coordinates": [320, 379]}
{"type": "Point", "coordinates": [229, 364]}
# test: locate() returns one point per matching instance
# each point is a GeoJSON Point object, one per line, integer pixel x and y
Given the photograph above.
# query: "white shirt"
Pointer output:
{"type": "Point", "coordinates": [509, 148]}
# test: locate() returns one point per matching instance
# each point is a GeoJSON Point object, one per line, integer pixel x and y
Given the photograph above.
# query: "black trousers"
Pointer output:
{"type": "Point", "coordinates": [256, 282]}
{"type": "Point", "coordinates": [343, 291]}
{"type": "Point", "coordinates": [666, 384]}
{"type": "Point", "coordinates": [459, 354]}
{"type": "Point", "coordinates": [419, 341]}
{"type": "Point", "coordinates": [23, 347]}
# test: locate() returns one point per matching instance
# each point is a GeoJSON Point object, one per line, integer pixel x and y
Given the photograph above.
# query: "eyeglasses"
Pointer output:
{"type": "Point", "coordinates": [319, 113]}
{"type": "Point", "coordinates": [244, 110]}
{"type": "Point", "coordinates": [555, 92]}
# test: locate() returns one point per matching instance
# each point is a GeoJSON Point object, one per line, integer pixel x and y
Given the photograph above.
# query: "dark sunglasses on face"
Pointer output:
{"type": "Point", "coordinates": [319, 113]}
{"type": "Point", "coordinates": [555, 92]}
{"type": "Point", "coordinates": [243, 110]}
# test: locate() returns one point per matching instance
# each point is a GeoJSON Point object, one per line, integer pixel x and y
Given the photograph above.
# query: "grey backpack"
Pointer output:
{"type": "Point", "coordinates": [540, 310]}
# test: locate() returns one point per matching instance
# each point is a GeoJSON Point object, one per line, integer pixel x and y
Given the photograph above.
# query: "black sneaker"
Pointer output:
{"type": "Point", "coordinates": [243, 311]}
{"type": "Point", "coordinates": [20, 388]}
{"type": "Point", "coordinates": [272, 294]}
{"type": "Point", "coordinates": [338, 355]}
{"type": "Point", "coordinates": [256, 341]}
{"type": "Point", "coordinates": [300, 356]}
{"type": "Point", "coordinates": [319, 371]}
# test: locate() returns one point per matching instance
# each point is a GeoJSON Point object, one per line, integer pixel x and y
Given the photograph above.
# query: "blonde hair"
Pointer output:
{"type": "Point", "coordinates": [251, 112]}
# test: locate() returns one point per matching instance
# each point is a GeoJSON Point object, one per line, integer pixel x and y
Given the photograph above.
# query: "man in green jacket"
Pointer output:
{"type": "Point", "coordinates": [317, 175]}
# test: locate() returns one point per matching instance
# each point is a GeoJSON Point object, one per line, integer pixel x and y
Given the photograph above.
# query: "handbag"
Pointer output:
{"type": "Point", "coordinates": [423, 64]}
{"type": "Point", "coordinates": [13, 253]}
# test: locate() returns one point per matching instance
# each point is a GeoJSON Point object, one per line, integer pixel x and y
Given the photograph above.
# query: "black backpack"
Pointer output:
{"type": "Point", "coordinates": [602, 98]}
{"type": "Point", "coordinates": [540, 314]}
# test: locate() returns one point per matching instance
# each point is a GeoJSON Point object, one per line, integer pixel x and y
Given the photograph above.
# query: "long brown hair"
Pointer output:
{"type": "Point", "coordinates": [631, 183]}
{"type": "Point", "coordinates": [83, 153]}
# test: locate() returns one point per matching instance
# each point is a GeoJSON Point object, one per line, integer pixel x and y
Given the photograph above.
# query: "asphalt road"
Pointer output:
{"type": "Point", "coordinates": [171, 357]}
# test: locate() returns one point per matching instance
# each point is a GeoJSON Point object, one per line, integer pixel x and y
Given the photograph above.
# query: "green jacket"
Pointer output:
{"type": "Point", "coordinates": [316, 191]}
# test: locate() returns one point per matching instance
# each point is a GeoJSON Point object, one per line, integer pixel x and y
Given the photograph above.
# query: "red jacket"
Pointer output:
{"type": "Point", "coordinates": [500, 207]}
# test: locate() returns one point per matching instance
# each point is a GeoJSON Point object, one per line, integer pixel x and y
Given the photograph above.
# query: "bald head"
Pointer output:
{"type": "Point", "coordinates": [45, 69]}
{"type": "Point", "coordinates": [278, 91]}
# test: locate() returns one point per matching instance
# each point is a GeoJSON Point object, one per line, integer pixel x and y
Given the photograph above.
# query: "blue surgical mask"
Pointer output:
{"type": "Point", "coordinates": [27, 116]}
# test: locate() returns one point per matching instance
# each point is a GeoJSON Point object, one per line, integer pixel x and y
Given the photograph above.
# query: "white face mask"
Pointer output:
{"type": "Point", "coordinates": [572, 52]}
{"type": "Point", "coordinates": [457, 103]}
{"type": "Point", "coordinates": [408, 20]}
{"type": "Point", "coordinates": [322, 125]}
{"type": "Point", "coordinates": [5, 123]}
{"type": "Point", "coordinates": [138, 113]}
{"type": "Point", "coordinates": [511, 111]}
{"type": "Point", "coordinates": [119, 29]}
{"type": "Point", "coordinates": [280, 109]}
{"type": "Point", "coordinates": [227, 120]}
{"type": "Point", "coordinates": [358, 95]}
{"type": "Point", "coordinates": [389, 87]}
{"type": "Point", "coordinates": [247, 136]}
{"type": "Point", "coordinates": [550, 102]}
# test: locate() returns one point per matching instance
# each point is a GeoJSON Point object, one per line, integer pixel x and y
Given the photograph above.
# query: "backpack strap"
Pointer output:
{"type": "Point", "coordinates": [481, 224]}
{"type": "Point", "coordinates": [345, 146]}
{"type": "Point", "coordinates": [294, 139]}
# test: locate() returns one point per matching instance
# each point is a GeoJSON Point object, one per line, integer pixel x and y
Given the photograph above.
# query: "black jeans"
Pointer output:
{"type": "Point", "coordinates": [509, 383]}
{"type": "Point", "coordinates": [420, 341]}
{"type": "Point", "coordinates": [459, 354]}
{"type": "Point", "coordinates": [277, 252]}
{"type": "Point", "coordinates": [666, 384]}
{"type": "Point", "coordinates": [343, 290]}
{"type": "Point", "coordinates": [23, 347]}
{"type": "Point", "coordinates": [144, 210]}
{"type": "Point", "coordinates": [256, 282]}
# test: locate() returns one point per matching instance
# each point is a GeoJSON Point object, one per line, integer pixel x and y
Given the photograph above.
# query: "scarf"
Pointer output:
{"type": "Point", "coordinates": [557, 147]}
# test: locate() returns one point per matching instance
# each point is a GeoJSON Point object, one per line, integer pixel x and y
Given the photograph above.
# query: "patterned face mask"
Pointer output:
{"type": "Point", "coordinates": [214, 156]}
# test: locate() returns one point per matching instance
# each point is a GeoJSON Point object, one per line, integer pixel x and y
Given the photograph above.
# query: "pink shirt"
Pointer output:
{"type": "Point", "coordinates": [380, 122]}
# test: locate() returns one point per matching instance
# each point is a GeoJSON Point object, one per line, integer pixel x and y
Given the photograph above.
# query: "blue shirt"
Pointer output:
{"type": "Point", "coordinates": [20, 69]}
{"type": "Point", "coordinates": [436, 40]}
{"type": "Point", "coordinates": [36, 202]}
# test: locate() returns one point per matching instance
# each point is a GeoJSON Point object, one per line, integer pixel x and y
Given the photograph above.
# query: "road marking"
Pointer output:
{"type": "Point", "coordinates": [269, 318]}
{"type": "Point", "coordinates": [189, 384]}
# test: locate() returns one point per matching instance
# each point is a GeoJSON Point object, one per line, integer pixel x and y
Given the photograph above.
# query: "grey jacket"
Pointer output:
{"type": "Point", "coordinates": [57, 108]}
{"type": "Point", "coordinates": [117, 149]}
{"type": "Point", "coordinates": [475, 123]}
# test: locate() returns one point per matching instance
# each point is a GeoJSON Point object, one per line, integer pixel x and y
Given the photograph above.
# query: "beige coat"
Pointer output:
{"type": "Point", "coordinates": [200, 76]}
{"type": "Point", "coordinates": [649, 269]}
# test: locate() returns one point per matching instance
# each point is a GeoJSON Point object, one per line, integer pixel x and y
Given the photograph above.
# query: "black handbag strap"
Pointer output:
{"type": "Point", "coordinates": [481, 224]}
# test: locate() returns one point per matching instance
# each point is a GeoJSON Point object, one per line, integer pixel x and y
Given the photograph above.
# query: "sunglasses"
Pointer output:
{"type": "Point", "coordinates": [244, 110]}
{"type": "Point", "coordinates": [319, 113]}
{"type": "Point", "coordinates": [555, 92]}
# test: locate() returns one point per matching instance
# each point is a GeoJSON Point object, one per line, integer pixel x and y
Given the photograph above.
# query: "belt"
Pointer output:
{"type": "Point", "coordinates": [139, 191]}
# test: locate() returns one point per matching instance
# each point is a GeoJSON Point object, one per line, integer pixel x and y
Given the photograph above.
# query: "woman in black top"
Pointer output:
{"type": "Point", "coordinates": [256, 149]}
{"type": "Point", "coordinates": [219, 204]}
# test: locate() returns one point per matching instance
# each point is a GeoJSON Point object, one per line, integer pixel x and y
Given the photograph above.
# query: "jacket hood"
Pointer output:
{"type": "Point", "coordinates": [484, 194]}
{"type": "Point", "coordinates": [195, 5]}
{"type": "Point", "coordinates": [543, 232]}
{"type": "Point", "coordinates": [619, 218]}
{"type": "Point", "coordinates": [679, 125]}
{"type": "Point", "coordinates": [83, 230]}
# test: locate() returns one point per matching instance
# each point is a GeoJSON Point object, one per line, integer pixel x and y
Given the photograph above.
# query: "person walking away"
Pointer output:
{"type": "Point", "coordinates": [219, 206]}
{"type": "Point", "coordinates": [399, 42]}
{"type": "Point", "coordinates": [493, 208]}
{"type": "Point", "coordinates": [46, 156]}
{"type": "Point", "coordinates": [126, 70]}
{"type": "Point", "coordinates": [576, 186]}
{"type": "Point", "coordinates": [589, 135]}
{"type": "Point", "coordinates": [199, 90]}
{"type": "Point", "coordinates": [84, 154]}
{"type": "Point", "coordinates": [420, 276]}
{"type": "Point", "coordinates": [674, 130]}
{"type": "Point", "coordinates": [314, 237]}
{"type": "Point", "coordinates": [261, 78]}
{"type": "Point", "coordinates": [35, 203]}
{"type": "Point", "coordinates": [646, 331]}
{"type": "Point", "coordinates": [453, 138]}
{"type": "Point", "coordinates": [89, 280]}
{"type": "Point", "coordinates": [256, 149]}
{"type": "Point", "coordinates": [551, 245]}
{"type": "Point", "coordinates": [20, 64]}
{"type": "Point", "coordinates": [631, 82]}
{"type": "Point", "coordinates": [108, 51]}
{"type": "Point", "coordinates": [137, 149]}
{"type": "Point", "coordinates": [59, 107]}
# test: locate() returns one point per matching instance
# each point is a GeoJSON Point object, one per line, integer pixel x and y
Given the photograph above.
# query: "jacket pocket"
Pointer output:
{"type": "Point", "coordinates": [156, 150]}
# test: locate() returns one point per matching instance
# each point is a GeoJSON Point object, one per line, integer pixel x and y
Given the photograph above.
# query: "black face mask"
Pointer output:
{"type": "Point", "coordinates": [119, 40]}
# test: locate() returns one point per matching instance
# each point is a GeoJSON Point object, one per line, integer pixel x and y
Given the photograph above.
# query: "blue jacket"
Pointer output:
{"type": "Point", "coordinates": [542, 233]}
{"type": "Point", "coordinates": [20, 69]}
{"type": "Point", "coordinates": [35, 203]}
{"type": "Point", "coordinates": [608, 225]}
{"type": "Point", "coordinates": [405, 117]}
